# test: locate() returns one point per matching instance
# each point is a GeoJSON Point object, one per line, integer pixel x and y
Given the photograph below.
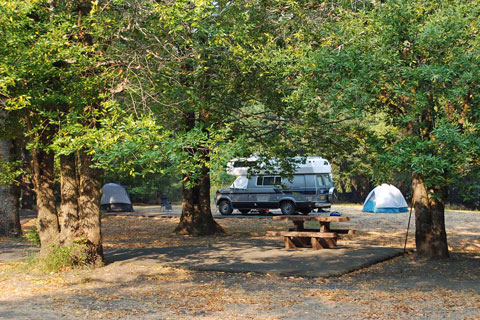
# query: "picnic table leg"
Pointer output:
{"type": "Point", "coordinates": [330, 242]}
{"type": "Point", "coordinates": [289, 243]}
{"type": "Point", "coordinates": [323, 243]}
{"type": "Point", "coordinates": [296, 242]}
{"type": "Point", "coordinates": [324, 226]}
{"type": "Point", "coordinates": [298, 225]}
{"type": "Point", "coordinates": [316, 245]}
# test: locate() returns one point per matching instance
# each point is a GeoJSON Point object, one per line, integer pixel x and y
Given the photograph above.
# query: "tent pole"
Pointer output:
{"type": "Point", "coordinates": [408, 228]}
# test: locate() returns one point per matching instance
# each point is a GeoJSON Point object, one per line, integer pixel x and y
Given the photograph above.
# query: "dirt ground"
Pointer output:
{"type": "Point", "coordinates": [401, 288]}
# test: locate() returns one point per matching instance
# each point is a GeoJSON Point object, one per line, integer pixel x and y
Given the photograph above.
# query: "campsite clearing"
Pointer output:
{"type": "Point", "coordinates": [400, 288]}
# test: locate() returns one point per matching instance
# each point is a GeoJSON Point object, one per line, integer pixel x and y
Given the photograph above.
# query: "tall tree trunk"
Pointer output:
{"type": "Point", "coordinates": [68, 218]}
{"type": "Point", "coordinates": [89, 210]}
{"type": "Point", "coordinates": [27, 192]}
{"type": "Point", "coordinates": [9, 196]}
{"type": "Point", "coordinates": [430, 234]}
{"type": "Point", "coordinates": [48, 228]}
{"type": "Point", "coordinates": [196, 218]}
{"type": "Point", "coordinates": [9, 211]}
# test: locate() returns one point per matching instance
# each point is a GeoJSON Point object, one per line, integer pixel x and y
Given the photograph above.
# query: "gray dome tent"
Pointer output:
{"type": "Point", "coordinates": [115, 197]}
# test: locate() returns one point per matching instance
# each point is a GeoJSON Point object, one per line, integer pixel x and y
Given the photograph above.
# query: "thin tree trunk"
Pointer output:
{"type": "Point", "coordinates": [48, 228]}
{"type": "Point", "coordinates": [430, 234]}
{"type": "Point", "coordinates": [27, 192]}
{"type": "Point", "coordinates": [68, 218]}
{"type": "Point", "coordinates": [9, 194]}
{"type": "Point", "coordinates": [89, 210]}
{"type": "Point", "coordinates": [9, 197]}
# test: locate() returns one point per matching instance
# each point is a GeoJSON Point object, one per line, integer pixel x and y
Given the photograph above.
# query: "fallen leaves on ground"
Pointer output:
{"type": "Point", "coordinates": [401, 288]}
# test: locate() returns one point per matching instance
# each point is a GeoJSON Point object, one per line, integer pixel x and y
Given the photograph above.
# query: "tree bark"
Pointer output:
{"type": "Point", "coordinates": [430, 234]}
{"type": "Point", "coordinates": [9, 212]}
{"type": "Point", "coordinates": [196, 218]}
{"type": "Point", "coordinates": [9, 197]}
{"type": "Point", "coordinates": [27, 192]}
{"type": "Point", "coordinates": [68, 218]}
{"type": "Point", "coordinates": [89, 211]}
{"type": "Point", "coordinates": [48, 228]}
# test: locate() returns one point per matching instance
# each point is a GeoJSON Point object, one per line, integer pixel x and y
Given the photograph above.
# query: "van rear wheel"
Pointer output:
{"type": "Point", "coordinates": [288, 208]}
{"type": "Point", "coordinates": [225, 208]}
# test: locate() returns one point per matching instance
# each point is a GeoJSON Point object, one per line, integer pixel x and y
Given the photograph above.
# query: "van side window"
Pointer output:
{"type": "Point", "coordinates": [309, 181]}
{"type": "Point", "coordinates": [324, 180]}
{"type": "Point", "coordinates": [269, 181]}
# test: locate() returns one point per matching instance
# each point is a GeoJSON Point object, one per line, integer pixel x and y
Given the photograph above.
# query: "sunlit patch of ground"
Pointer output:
{"type": "Point", "coordinates": [463, 228]}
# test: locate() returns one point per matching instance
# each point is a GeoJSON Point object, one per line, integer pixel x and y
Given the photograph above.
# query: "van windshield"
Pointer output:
{"type": "Point", "coordinates": [324, 180]}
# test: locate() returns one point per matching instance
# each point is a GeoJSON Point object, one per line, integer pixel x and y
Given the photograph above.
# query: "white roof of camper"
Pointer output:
{"type": "Point", "coordinates": [306, 165]}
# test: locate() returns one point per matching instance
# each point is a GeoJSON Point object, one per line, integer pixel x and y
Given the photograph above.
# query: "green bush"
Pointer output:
{"type": "Point", "coordinates": [32, 236]}
{"type": "Point", "coordinates": [58, 258]}
{"type": "Point", "coordinates": [61, 258]}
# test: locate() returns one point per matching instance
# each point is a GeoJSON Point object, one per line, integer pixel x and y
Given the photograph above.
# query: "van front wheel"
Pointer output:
{"type": "Point", "coordinates": [287, 207]}
{"type": "Point", "coordinates": [225, 208]}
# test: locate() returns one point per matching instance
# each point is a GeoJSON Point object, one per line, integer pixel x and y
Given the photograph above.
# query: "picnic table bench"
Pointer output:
{"type": "Point", "coordinates": [321, 238]}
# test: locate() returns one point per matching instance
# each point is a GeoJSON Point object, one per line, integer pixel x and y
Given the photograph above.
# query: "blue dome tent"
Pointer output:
{"type": "Point", "coordinates": [385, 199]}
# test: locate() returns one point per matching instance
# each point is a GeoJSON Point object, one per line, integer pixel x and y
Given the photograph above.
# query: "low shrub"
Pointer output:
{"type": "Point", "coordinates": [62, 258]}
{"type": "Point", "coordinates": [32, 236]}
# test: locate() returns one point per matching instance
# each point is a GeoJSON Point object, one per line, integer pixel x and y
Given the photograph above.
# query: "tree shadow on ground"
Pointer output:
{"type": "Point", "coordinates": [257, 255]}
{"type": "Point", "coordinates": [459, 272]}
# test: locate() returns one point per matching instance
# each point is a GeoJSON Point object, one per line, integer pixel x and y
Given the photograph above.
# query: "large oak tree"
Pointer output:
{"type": "Point", "coordinates": [205, 72]}
{"type": "Point", "coordinates": [414, 66]}
{"type": "Point", "coordinates": [55, 79]}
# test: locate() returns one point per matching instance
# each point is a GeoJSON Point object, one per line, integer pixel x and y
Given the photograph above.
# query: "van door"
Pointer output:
{"type": "Point", "coordinates": [324, 183]}
{"type": "Point", "coordinates": [310, 188]}
{"type": "Point", "coordinates": [237, 197]}
{"type": "Point", "coordinates": [296, 187]}
{"type": "Point", "coordinates": [299, 188]}
{"type": "Point", "coordinates": [265, 194]}
{"type": "Point", "coordinates": [240, 196]}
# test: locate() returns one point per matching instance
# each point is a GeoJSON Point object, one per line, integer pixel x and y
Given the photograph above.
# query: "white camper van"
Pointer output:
{"type": "Point", "coordinates": [264, 188]}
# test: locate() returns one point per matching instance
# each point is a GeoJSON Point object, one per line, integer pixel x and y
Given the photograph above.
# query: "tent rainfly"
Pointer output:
{"type": "Point", "coordinates": [115, 197]}
{"type": "Point", "coordinates": [385, 199]}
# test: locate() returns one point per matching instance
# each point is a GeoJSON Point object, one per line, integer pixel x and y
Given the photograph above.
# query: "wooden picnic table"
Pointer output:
{"type": "Point", "coordinates": [321, 238]}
